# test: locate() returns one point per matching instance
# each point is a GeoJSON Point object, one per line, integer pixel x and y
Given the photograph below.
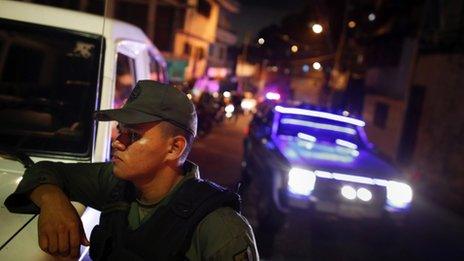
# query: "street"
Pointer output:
{"type": "Point", "coordinates": [429, 233]}
{"type": "Point", "coordinates": [360, 114]}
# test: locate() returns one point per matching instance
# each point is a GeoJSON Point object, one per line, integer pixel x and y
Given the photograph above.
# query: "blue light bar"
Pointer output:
{"type": "Point", "coordinates": [320, 114]}
{"type": "Point", "coordinates": [319, 126]}
{"type": "Point", "coordinates": [347, 144]}
{"type": "Point", "coordinates": [306, 137]}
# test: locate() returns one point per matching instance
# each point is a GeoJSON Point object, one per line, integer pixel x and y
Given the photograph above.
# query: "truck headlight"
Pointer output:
{"type": "Point", "coordinates": [399, 195]}
{"type": "Point", "coordinates": [301, 181]}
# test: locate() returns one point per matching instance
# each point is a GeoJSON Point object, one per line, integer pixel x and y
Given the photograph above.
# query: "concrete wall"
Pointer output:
{"type": "Point", "coordinates": [440, 144]}
{"type": "Point", "coordinates": [201, 26]}
{"type": "Point", "coordinates": [308, 89]}
{"type": "Point", "coordinates": [393, 81]}
{"type": "Point", "coordinates": [389, 85]}
{"type": "Point", "coordinates": [386, 139]}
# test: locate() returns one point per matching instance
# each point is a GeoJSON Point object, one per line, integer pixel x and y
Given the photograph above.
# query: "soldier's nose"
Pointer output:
{"type": "Point", "coordinates": [121, 142]}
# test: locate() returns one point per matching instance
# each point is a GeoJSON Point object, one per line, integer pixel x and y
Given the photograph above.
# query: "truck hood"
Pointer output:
{"type": "Point", "coordinates": [334, 158]}
{"type": "Point", "coordinates": [10, 175]}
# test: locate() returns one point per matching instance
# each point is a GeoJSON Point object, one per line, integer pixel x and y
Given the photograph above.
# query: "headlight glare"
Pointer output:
{"type": "Point", "coordinates": [399, 195]}
{"type": "Point", "coordinates": [348, 192]}
{"type": "Point", "coordinates": [364, 194]}
{"type": "Point", "coordinates": [301, 181]}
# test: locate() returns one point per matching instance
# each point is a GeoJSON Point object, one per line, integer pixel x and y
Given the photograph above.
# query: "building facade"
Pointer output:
{"type": "Point", "coordinates": [220, 58]}
{"type": "Point", "coordinates": [413, 105]}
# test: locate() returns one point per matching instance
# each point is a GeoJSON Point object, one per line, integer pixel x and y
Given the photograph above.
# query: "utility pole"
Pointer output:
{"type": "Point", "coordinates": [336, 80]}
{"type": "Point", "coordinates": [151, 21]}
{"type": "Point", "coordinates": [243, 60]}
{"type": "Point", "coordinates": [342, 40]}
{"type": "Point", "coordinates": [246, 42]}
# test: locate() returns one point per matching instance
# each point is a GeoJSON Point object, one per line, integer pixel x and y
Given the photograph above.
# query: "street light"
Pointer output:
{"type": "Point", "coordinates": [294, 49]}
{"type": "Point", "coordinates": [317, 66]}
{"type": "Point", "coordinates": [261, 41]}
{"type": "Point", "coordinates": [371, 17]}
{"type": "Point", "coordinates": [351, 24]}
{"type": "Point", "coordinates": [317, 28]}
{"type": "Point", "coordinates": [305, 68]}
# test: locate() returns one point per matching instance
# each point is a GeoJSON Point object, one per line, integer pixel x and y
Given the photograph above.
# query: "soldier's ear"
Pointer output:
{"type": "Point", "coordinates": [176, 147]}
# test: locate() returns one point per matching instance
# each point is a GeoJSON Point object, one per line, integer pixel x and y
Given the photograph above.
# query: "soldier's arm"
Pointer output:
{"type": "Point", "coordinates": [87, 183]}
{"type": "Point", "coordinates": [49, 187]}
{"type": "Point", "coordinates": [59, 226]}
{"type": "Point", "coordinates": [223, 235]}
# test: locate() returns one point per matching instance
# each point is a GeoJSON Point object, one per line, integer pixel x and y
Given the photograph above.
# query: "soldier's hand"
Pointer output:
{"type": "Point", "coordinates": [60, 227]}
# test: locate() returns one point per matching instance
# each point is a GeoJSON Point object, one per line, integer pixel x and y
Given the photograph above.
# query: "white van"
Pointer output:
{"type": "Point", "coordinates": [57, 67]}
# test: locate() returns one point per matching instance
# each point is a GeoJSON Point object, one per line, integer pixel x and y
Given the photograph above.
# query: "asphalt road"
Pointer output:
{"type": "Point", "coordinates": [429, 233]}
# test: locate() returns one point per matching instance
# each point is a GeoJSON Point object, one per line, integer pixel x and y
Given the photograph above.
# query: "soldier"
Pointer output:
{"type": "Point", "coordinates": [154, 205]}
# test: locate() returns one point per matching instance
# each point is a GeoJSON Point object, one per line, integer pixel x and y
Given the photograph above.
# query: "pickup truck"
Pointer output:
{"type": "Point", "coordinates": [298, 157]}
{"type": "Point", "coordinates": [56, 68]}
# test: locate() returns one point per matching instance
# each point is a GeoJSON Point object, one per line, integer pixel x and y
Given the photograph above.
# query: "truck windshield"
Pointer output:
{"type": "Point", "coordinates": [48, 85]}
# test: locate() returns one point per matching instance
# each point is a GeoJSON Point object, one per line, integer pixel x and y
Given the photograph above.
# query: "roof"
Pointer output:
{"type": "Point", "coordinates": [72, 20]}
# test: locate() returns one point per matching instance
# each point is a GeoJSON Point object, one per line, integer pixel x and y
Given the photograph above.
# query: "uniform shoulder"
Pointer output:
{"type": "Point", "coordinates": [226, 220]}
{"type": "Point", "coordinates": [224, 233]}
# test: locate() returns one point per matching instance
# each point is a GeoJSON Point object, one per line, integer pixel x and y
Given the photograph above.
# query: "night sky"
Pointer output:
{"type": "Point", "coordinates": [257, 14]}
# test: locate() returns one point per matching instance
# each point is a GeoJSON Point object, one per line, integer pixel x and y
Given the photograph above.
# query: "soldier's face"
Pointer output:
{"type": "Point", "coordinates": [139, 152]}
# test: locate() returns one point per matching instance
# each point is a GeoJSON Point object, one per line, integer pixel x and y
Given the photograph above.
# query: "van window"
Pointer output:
{"type": "Point", "coordinates": [157, 72]}
{"type": "Point", "coordinates": [154, 70]}
{"type": "Point", "coordinates": [125, 82]}
{"type": "Point", "coordinates": [48, 86]}
{"type": "Point", "coordinates": [125, 79]}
